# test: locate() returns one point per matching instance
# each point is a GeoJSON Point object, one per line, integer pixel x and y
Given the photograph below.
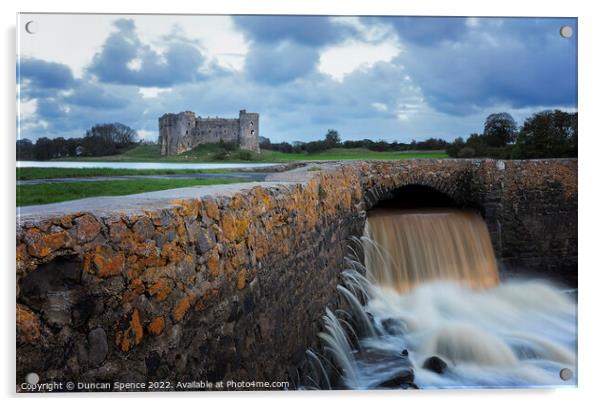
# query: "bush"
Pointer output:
{"type": "Point", "coordinates": [228, 146]}
{"type": "Point", "coordinates": [221, 154]}
{"type": "Point", "coordinates": [246, 155]}
{"type": "Point", "coordinates": [466, 152]}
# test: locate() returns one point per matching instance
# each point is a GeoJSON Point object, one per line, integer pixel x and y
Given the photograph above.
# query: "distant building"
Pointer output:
{"type": "Point", "coordinates": [79, 150]}
{"type": "Point", "coordinates": [182, 132]}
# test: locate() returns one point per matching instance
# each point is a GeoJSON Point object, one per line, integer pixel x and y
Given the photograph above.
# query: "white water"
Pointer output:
{"type": "Point", "coordinates": [136, 165]}
{"type": "Point", "coordinates": [518, 334]}
{"type": "Point", "coordinates": [514, 333]}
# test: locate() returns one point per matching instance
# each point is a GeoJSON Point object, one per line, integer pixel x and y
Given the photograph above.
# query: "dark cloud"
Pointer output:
{"type": "Point", "coordinates": [514, 62]}
{"type": "Point", "coordinates": [426, 31]}
{"type": "Point", "coordinates": [115, 62]}
{"type": "Point", "coordinates": [39, 78]}
{"type": "Point", "coordinates": [93, 95]}
{"type": "Point", "coordinates": [287, 47]}
{"type": "Point", "coordinates": [279, 63]}
{"type": "Point", "coordinates": [313, 31]}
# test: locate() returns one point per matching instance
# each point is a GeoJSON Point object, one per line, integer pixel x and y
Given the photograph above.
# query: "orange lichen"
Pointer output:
{"type": "Point", "coordinates": [213, 263]}
{"type": "Point", "coordinates": [156, 326]}
{"type": "Point", "coordinates": [161, 289]}
{"type": "Point", "coordinates": [135, 289]}
{"type": "Point", "coordinates": [242, 282]}
{"type": "Point", "coordinates": [21, 249]}
{"type": "Point", "coordinates": [48, 243]}
{"type": "Point", "coordinates": [87, 228]}
{"type": "Point", "coordinates": [227, 225]}
{"type": "Point", "coordinates": [132, 336]}
{"type": "Point", "coordinates": [181, 308]}
{"type": "Point", "coordinates": [211, 209]}
{"type": "Point", "coordinates": [107, 262]}
{"type": "Point", "coordinates": [172, 252]}
{"type": "Point", "coordinates": [347, 199]}
{"type": "Point", "coordinates": [28, 325]}
{"type": "Point", "coordinates": [261, 246]}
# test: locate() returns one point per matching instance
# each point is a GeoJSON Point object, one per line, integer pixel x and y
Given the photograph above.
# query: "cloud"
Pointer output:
{"type": "Point", "coordinates": [313, 31]}
{"type": "Point", "coordinates": [425, 31]}
{"type": "Point", "coordinates": [125, 60]}
{"type": "Point", "coordinates": [281, 62]}
{"type": "Point", "coordinates": [40, 78]}
{"type": "Point", "coordinates": [284, 48]}
{"type": "Point", "coordinates": [89, 94]}
{"type": "Point", "coordinates": [517, 62]}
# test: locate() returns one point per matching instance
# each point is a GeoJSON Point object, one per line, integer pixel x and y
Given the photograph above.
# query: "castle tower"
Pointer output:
{"type": "Point", "coordinates": [176, 132]}
{"type": "Point", "coordinates": [249, 130]}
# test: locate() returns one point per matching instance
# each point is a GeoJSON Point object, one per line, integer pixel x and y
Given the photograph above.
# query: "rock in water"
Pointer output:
{"type": "Point", "coordinates": [404, 380]}
{"type": "Point", "coordinates": [435, 364]}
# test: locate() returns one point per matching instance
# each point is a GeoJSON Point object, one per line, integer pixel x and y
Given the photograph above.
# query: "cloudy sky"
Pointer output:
{"type": "Point", "coordinates": [392, 78]}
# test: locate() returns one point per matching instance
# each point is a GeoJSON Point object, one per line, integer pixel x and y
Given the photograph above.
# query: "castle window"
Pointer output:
{"type": "Point", "coordinates": [251, 125]}
{"type": "Point", "coordinates": [252, 132]}
{"type": "Point", "coordinates": [186, 132]}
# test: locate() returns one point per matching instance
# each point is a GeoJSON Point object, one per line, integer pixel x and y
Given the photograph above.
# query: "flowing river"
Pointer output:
{"type": "Point", "coordinates": [432, 288]}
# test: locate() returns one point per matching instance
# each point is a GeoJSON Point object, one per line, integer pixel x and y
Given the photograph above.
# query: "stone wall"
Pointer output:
{"type": "Point", "coordinates": [530, 207]}
{"type": "Point", "coordinates": [216, 285]}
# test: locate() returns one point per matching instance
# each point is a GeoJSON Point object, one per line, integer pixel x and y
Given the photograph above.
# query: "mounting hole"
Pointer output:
{"type": "Point", "coordinates": [31, 27]}
{"type": "Point", "coordinates": [566, 374]}
{"type": "Point", "coordinates": [32, 378]}
{"type": "Point", "coordinates": [566, 31]}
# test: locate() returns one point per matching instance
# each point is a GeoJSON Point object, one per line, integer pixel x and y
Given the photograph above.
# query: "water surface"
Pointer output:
{"type": "Point", "coordinates": [138, 165]}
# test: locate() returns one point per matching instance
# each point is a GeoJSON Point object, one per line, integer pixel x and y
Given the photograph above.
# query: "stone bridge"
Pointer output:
{"type": "Point", "coordinates": [230, 282]}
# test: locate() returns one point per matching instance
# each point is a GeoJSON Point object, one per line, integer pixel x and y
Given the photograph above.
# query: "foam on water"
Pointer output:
{"type": "Point", "coordinates": [432, 287]}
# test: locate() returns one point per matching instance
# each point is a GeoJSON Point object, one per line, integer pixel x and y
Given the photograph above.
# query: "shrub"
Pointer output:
{"type": "Point", "coordinates": [221, 154]}
{"type": "Point", "coordinates": [466, 152]}
{"type": "Point", "coordinates": [246, 155]}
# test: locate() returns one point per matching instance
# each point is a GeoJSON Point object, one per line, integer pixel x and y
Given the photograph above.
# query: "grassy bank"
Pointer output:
{"type": "Point", "coordinates": [53, 173]}
{"type": "Point", "coordinates": [59, 192]}
{"type": "Point", "coordinates": [211, 153]}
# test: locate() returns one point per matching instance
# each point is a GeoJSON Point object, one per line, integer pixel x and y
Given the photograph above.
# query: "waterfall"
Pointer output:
{"type": "Point", "coordinates": [428, 286]}
{"type": "Point", "coordinates": [408, 247]}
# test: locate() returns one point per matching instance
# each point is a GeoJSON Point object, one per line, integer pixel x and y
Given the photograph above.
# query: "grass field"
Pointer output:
{"type": "Point", "coordinates": [206, 153]}
{"type": "Point", "coordinates": [53, 173]}
{"type": "Point", "coordinates": [59, 192]}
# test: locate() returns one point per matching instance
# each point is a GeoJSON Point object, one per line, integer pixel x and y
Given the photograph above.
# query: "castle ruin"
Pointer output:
{"type": "Point", "coordinates": [182, 132]}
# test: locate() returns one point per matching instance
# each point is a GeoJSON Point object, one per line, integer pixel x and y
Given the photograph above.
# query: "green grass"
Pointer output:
{"type": "Point", "coordinates": [355, 153]}
{"type": "Point", "coordinates": [53, 173]}
{"type": "Point", "coordinates": [60, 192]}
{"type": "Point", "coordinates": [207, 152]}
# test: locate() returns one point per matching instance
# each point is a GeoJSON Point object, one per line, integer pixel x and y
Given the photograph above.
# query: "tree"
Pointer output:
{"type": "Point", "coordinates": [454, 148]}
{"type": "Point", "coordinates": [24, 149]}
{"type": "Point", "coordinates": [42, 151]}
{"type": "Point", "coordinates": [548, 134]}
{"type": "Point", "coordinates": [332, 139]}
{"type": "Point", "coordinates": [107, 139]}
{"type": "Point", "coordinates": [500, 130]}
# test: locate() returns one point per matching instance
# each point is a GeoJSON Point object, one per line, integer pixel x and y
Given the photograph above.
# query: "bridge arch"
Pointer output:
{"type": "Point", "coordinates": [447, 188]}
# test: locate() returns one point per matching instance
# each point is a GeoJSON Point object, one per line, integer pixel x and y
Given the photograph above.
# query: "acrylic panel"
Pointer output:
{"type": "Point", "coordinates": [287, 202]}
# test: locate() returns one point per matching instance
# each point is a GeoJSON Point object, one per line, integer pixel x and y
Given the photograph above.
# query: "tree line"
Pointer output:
{"type": "Point", "coordinates": [332, 139]}
{"type": "Point", "coordinates": [547, 134]}
{"type": "Point", "coordinates": [99, 140]}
